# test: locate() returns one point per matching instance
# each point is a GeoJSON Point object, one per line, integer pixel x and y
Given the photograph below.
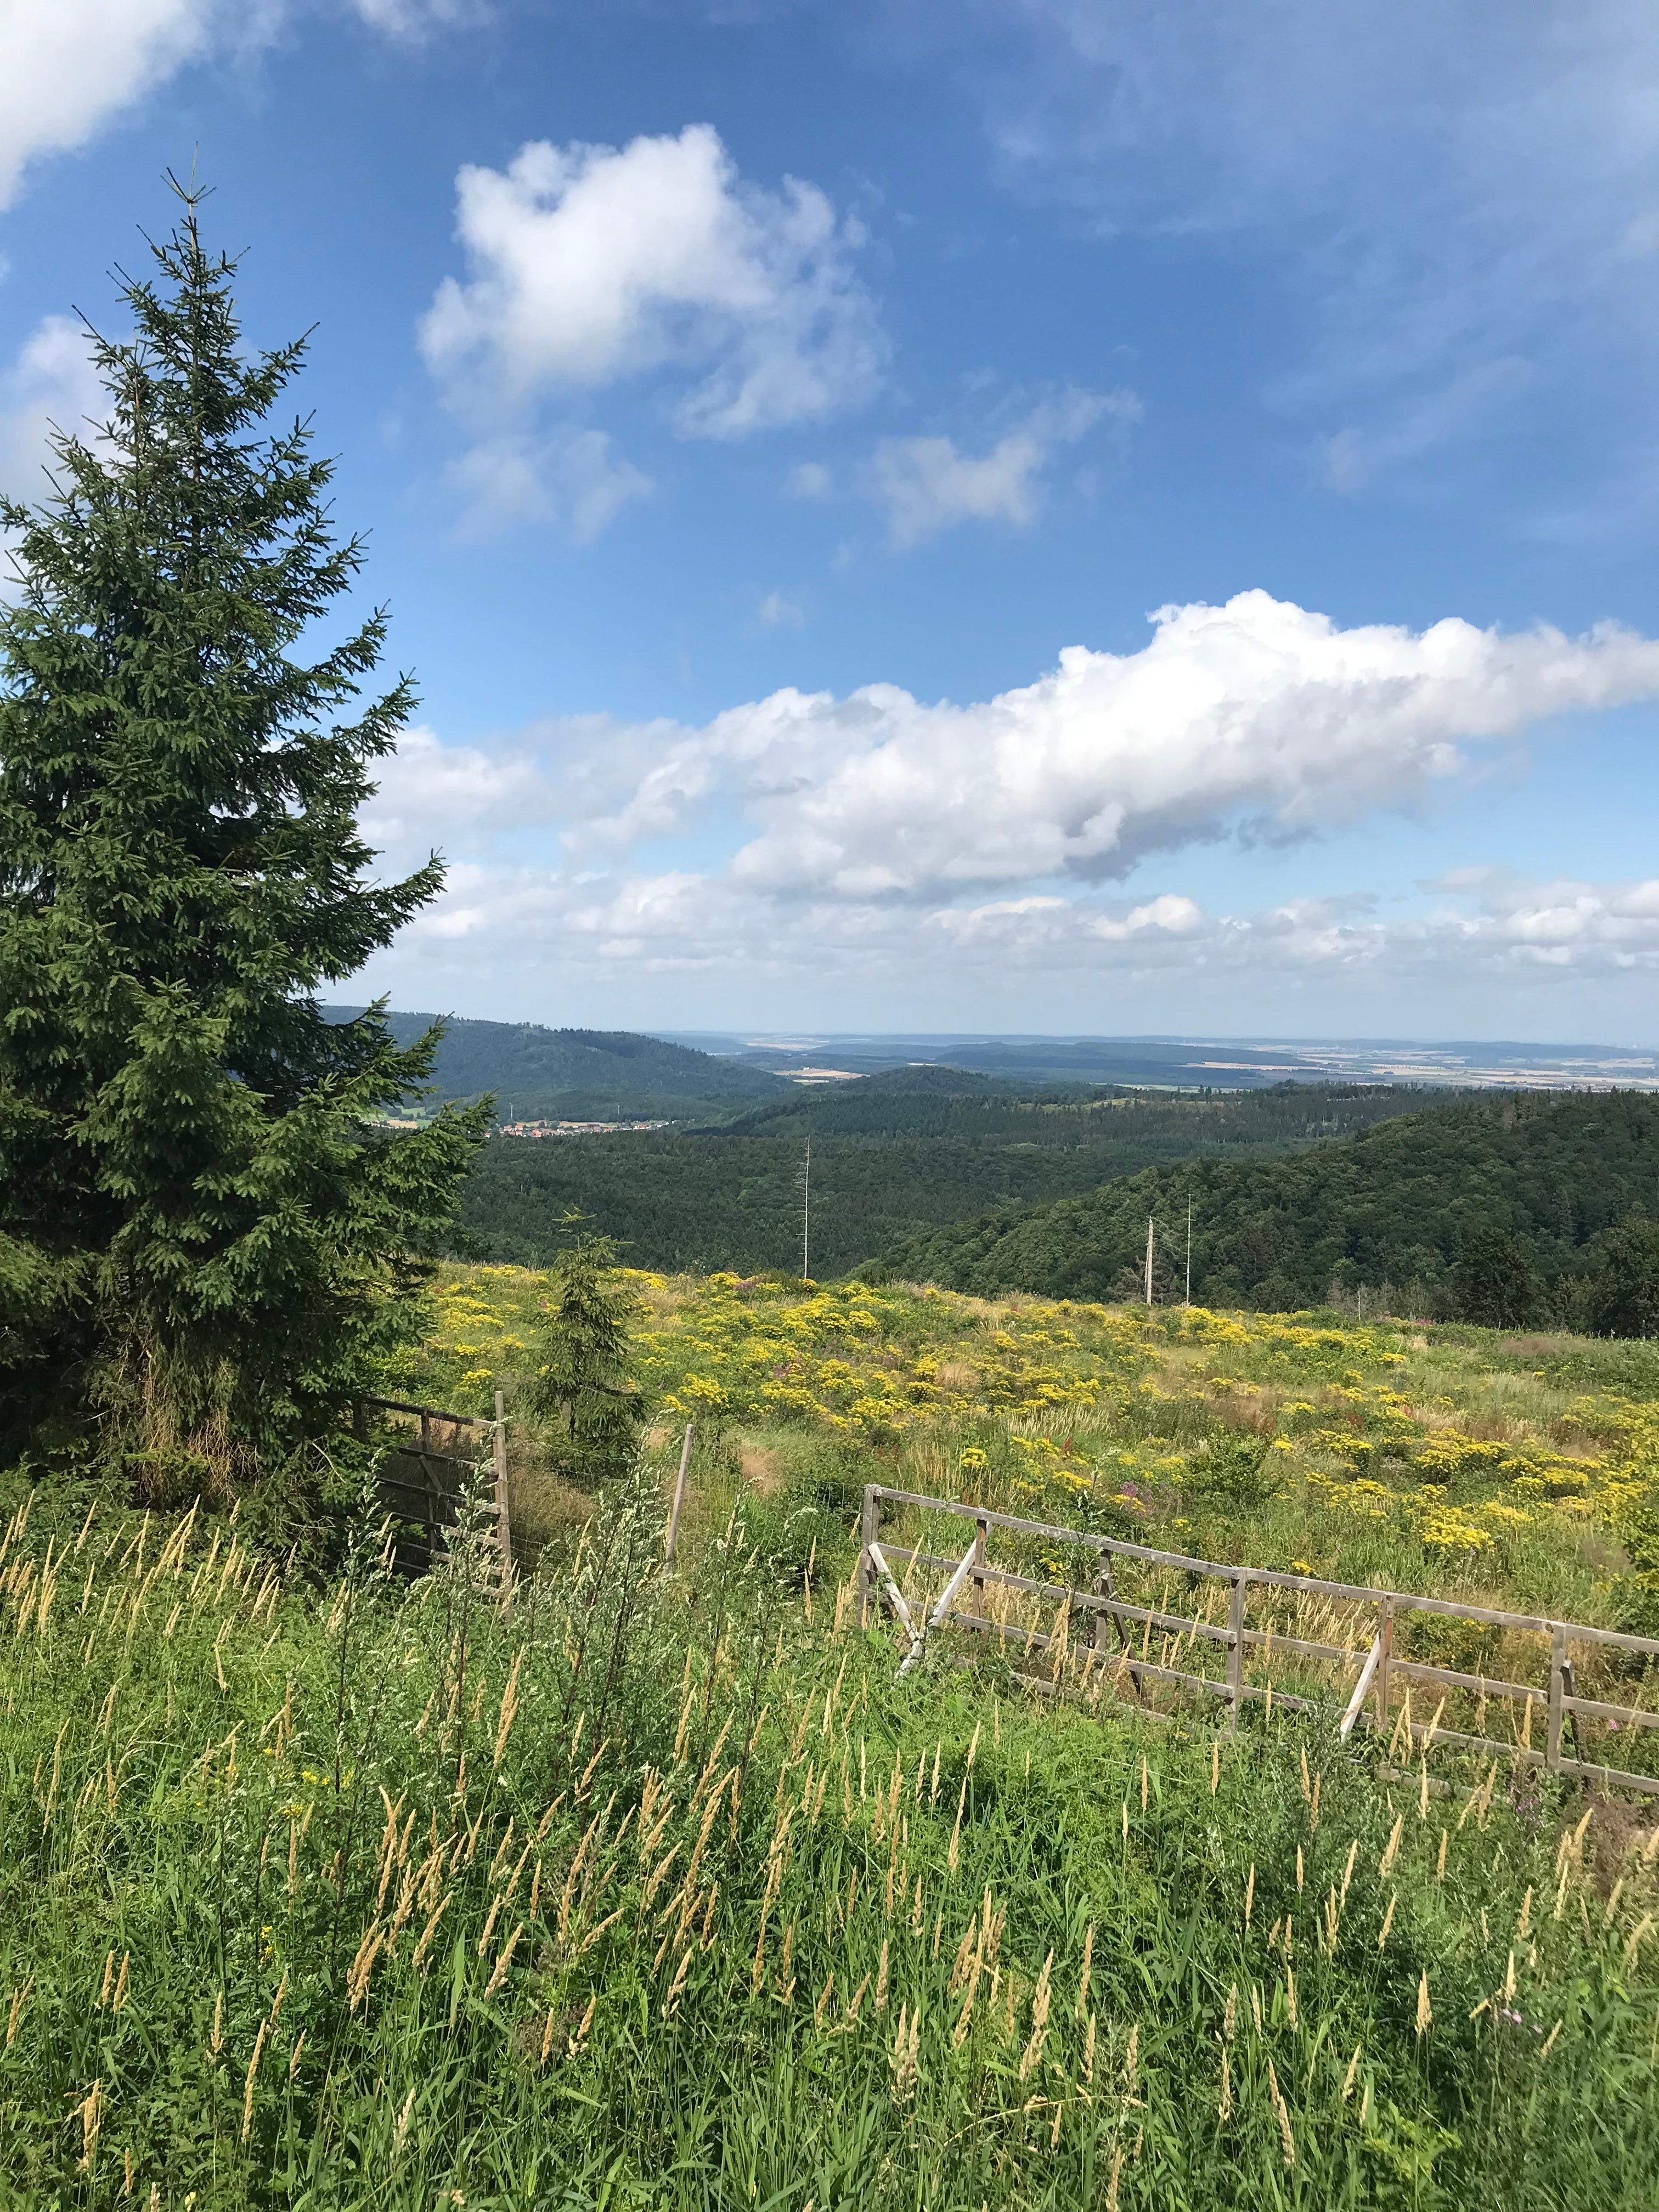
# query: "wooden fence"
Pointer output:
{"type": "Point", "coordinates": [423, 1481]}
{"type": "Point", "coordinates": [1382, 1672]}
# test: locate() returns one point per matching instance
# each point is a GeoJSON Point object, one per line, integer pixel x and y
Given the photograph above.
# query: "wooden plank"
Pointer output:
{"type": "Point", "coordinates": [1491, 1684]}
{"type": "Point", "coordinates": [1594, 1709]}
{"type": "Point", "coordinates": [1522, 1752]}
{"type": "Point", "coordinates": [895, 1595]}
{"type": "Point", "coordinates": [432, 1413]}
{"type": "Point", "coordinates": [1356, 1702]}
{"type": "Point", "coordinates": [1048, 1529]}
{"type": "Point", "coordinates": [1611, 1777]}
{"type": "Point", "coordinates": [487, 1506]}
{"type": "Point", "coordinates": [1267, 1637]}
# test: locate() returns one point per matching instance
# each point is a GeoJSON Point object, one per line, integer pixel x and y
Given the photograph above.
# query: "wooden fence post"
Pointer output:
{"type": "Point", "coordinates": [498, 1453]}
{"type": "Point", "coordinates": [679, 1500]}
{"type": "Point", "coordinates": [1385, 1633]}
{"type": "Point", "coordinates": [979, 1561]}
{"type": "Point", "coordinates": [869, 1531]}
{"type": "Point", "coordinates": [1236, 1597]}
{"type": "Point", "coordinates": [1557, 1690]}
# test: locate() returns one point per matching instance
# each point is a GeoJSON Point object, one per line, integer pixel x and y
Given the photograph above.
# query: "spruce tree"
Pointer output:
{"type": "Point", "coordinates": [203, 1235]}
{"type": "Point", "coordinates": [581, 1388]}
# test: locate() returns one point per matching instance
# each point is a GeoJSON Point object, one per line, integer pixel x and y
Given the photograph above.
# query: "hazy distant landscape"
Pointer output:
{"type": "Point", "coordinates": [1273, 1178]}
{"type": "Point", "coordinates": [1228, 1062]}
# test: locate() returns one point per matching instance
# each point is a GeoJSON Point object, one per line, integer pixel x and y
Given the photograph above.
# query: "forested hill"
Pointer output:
{"type": "Point", "coordinates": [539, 1074]}
{"type": "Point", "coordinates": [958, 1103]}
{"type": "Point", "coordinates": [1402, 1205]}
{"type": "Point", "coordinates": [891, 1156]}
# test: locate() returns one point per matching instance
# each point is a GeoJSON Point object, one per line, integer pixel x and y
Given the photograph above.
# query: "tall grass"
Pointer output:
{"type": "Point", "coordinates": [663, 1893]}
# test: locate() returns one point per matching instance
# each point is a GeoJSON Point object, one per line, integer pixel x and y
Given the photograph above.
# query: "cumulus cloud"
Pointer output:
{"type": "Point", "coordinates": [928, 484]}
{"type": "Point", "coordinates": [51, 385]}
{"type": "Point", "coordinates": [571, 477]}
{"type": "Point", "coordinates": [1485, 925]}
{"type": "Point", "coordinates": [1256, 717]}
{"type": "Point", "coordinates": [68, 66]}
{"type": "Point", "coordinates": [1503, 943]}
{"type": "Point", "coordinates": [903, 852]}
{"type": "Point", "coordinates": [590, 263]}
{"type": "Point", "coordinates": [431, 794]}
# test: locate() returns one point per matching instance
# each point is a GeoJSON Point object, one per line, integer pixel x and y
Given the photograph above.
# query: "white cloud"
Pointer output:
{"type": "Point", "coordinates": [570, 477]}
{"type": "Point", "coordinates": [1497, 945]}
{"type": "Point", "coordinates": [927, 484]}
{"type": "Point", "coordinates": [952, 864]}
{"type": "Point", "coordinates": [777, 612]}
{"type": "Point", "coordinates": [1464, 191]}
{"type": "Point", "coordinates": [411, 18]}
{"type": "Point", "coordinates": [434, 795]}
{"type": "Point", "coordinates": [589, 264]}
{"type": "Point", "coordinates": [1254, 718]}
{"type": "Point", "coordinates": [809, 480]}
{"type": "Point", "coordinates": [68, 66]}
{"type": "Point", "coordinates": [51, 386]}
{"type": "Point", "coordinates": [1487, 925]}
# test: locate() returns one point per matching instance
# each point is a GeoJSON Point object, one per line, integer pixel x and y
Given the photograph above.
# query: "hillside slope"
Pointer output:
{"type": "Point", "coordinates": [539, 1073]}
{"type": "Point", "coordinates": [890, 1158]}
{"type": "Point", "coordinates": [1395, 1205]}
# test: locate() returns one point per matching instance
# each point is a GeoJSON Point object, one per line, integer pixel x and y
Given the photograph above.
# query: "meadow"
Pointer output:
{"type": "Point", "coordinates": [660, 1890]}
{"type": "Point", "coordinates": [1454, 1460]}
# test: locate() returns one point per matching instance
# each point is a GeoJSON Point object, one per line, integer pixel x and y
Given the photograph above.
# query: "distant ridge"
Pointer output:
{"type": "Point", "coordinates": [540, 1074]}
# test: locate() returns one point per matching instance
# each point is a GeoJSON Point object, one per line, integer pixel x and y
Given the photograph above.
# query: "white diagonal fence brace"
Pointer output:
{"type": "Point", "coordinates": [1383, 1672]}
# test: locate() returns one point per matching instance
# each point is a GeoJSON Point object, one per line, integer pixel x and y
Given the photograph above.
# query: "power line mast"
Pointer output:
{"type": "Point", "coordinates": [1149, 1260]}
{"type": "Point", "coordinates": [807, 1213]}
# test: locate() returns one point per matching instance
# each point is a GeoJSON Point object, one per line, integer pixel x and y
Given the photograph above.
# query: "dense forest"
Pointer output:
{"type": "Point", "coordinates": [891, 1155]}
{"type": "Point", "coordinates": [543, 1074]}
{"type": "Point", "coordinates": [1491, 1207]}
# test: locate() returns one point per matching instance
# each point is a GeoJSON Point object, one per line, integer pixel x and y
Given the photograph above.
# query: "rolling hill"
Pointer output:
{"type": "Point", "coordinates": [1395, 1205]}
{"type": "Point", "coordinates": [544, 1074]}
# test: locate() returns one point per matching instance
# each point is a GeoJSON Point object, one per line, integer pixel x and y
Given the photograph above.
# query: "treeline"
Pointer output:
{"type": "Point", "coordinates": [955, 1102]}
{"type": "Point", "coordinates": [890, 1158]}
{"type": "Point", "coordinates": [1509, 1209]}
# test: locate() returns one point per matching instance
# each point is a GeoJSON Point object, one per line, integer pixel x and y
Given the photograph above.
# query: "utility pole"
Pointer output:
{"type": "Point", "coordinates": [1149, 1260]}
{"type": "Point", "coordinates": [1189, 1251]}
{"type": "Point", "coordinates": [806, 1213]}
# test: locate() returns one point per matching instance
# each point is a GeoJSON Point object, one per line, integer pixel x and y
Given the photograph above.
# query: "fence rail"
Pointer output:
{"type": "Point", "coordinates": [1382, 1671]}
{"type": "Point", "coordinates": [422, 1484]}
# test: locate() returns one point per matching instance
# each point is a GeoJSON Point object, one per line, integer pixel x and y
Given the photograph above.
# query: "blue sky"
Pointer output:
{"type": "Point", "coordinates": [749, 405]}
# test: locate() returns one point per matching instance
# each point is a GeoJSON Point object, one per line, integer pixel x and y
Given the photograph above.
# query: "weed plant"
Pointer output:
{"type": "Point", "coordinates": [664, 1892]}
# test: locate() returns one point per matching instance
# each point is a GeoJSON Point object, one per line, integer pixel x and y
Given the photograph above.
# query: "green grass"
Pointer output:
{"type": "Point", "coordinates": [669, 1832]}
